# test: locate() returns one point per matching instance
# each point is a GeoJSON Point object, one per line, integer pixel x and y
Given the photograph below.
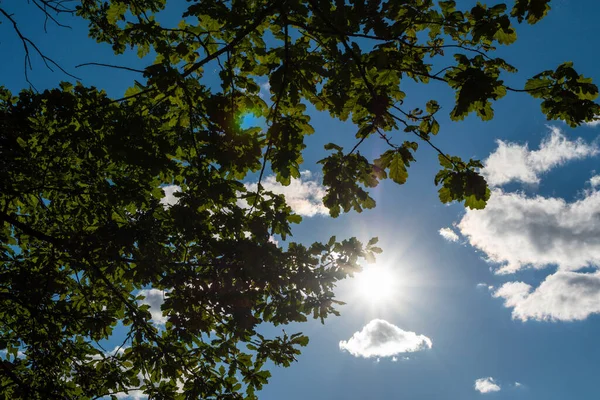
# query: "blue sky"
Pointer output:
{"type": "Point", "coordinates": [470, 322]}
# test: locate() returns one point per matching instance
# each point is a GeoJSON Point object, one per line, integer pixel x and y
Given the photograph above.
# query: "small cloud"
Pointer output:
{"type": "Point", "coordinates": [304, 195]}
{"type": "Point", "coordinates": [265, 89]}
{"type": "Point", "coordinates": [448, 234]}
{"type": "Point", "coordinates": [486, 385]}
{"type": "Point", "coordinates": [563, 296]}
{"type": "Point", "coordinates": [514, 162]}
{"type": "Point", "coordinates": [170, 199]}
{"type": "Point", "coordinates": [595, 181]}
{"type": "Point", "coordinates": [117, 351]}
{"type": "Point", "coordinates": [518, 384]}
{"type": "Point", "coordinates": [154, 298]}
{"type": "Point", "coordinates": [274, 241]}
{"type": "Point", "coordinates": [592, 123]}
{"type": "Point", "coordinates": [132, 395]}
{"type": "Point", "coordinates": [4, 353]}
{"type": "Point", "coordinates": [380, 338]}
{"type": "Point", "coordinates": [394, 359]}
{"type": "Point", "coordinates": [482, 285]}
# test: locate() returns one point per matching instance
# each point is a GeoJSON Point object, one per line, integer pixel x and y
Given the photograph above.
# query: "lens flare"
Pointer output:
{"type": "Point", "coordinates": [248, 120]}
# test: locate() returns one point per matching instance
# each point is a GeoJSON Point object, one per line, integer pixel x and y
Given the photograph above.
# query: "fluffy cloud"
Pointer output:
{"type": "Point", "coordinates": [379, 338]}
{"type": "Point", "coordinates": [304, 195]}
{"type": "Point", "coordinates": [170, 198]}
{"type": "Point", "coordinates": [563, 296]}
{"type": "Point", "coordinates": [154, 298]}
{"type": "Point", "coordinates": [486, 385]}
{"type": "Point", "coordinates": [593, 123]}
{"type": "Point", "coordinates": [515, 162]}
{"type": "Point", "coordinates": [448, 234]}
{"type": "Point", "coordinates": [517, 231]}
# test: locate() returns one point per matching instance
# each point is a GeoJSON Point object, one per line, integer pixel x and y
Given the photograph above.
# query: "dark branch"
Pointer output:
{"type": "Point", "coordinates": [238, 38]}
{"type": "Point", "coordinates": [110, 66]}
{"type": "Point", "coordinates": [26, 44]}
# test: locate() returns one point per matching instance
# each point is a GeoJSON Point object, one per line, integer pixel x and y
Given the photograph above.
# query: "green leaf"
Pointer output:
{"type": "Point", "coordinates": [115, 12]}
{"type": "Point", "coordinates": [373, 241]}
{"type": "Point", "coordinates": [398, 171]}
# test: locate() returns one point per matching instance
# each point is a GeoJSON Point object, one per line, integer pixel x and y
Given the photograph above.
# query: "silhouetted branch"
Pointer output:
{"type": "Point", "coordinates": [55, 6]}
{"type": "Point", "coordinates": [110, 66]}
{"type": "Point", "coordinates": [27, 43]}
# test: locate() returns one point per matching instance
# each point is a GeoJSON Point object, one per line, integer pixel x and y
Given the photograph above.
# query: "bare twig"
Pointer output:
{"type": "Point", "coordinates": [110, 66]}
{"type": "Point", "coordinates": [44, 8]}
{"type": "Point", "coordinates": [26, 44]}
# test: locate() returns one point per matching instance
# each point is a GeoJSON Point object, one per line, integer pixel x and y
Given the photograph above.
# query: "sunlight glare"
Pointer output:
{"type": "Point", "coordinates": [376, 283]}
{"type": "Point", "coordinates": [248, 119]}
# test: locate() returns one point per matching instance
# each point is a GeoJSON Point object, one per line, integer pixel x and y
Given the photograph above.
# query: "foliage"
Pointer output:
{"type": "Point", "coordinates": [81, 178]}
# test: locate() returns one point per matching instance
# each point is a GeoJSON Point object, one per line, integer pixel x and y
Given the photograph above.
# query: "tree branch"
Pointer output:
{"type": "Point", "coordinates": [26, 43]}
{"type": "Point", "coordinates": [238, 38]}
{"type": "Point", "coordinates": [11, 219]}
{"type": "Point", "coordinates": [110, 66]}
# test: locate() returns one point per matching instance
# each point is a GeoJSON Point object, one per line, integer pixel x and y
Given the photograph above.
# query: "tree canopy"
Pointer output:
{"type": "Point", "coordinates": [86, 232]}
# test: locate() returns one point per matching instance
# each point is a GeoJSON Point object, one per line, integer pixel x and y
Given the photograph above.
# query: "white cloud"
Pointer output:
{"type": "Point", "coordinates": [448, 234]}
{"type": "Point", "coordinates": [4, 353]}
{"type": "Point", "coordinates": [518, 384]}
{"type": "Point", "coordinates": [265, 89]}
{"type": "Point", "coordinates": [170, 199]}
{"type": "Point", "coordinates": [486, 385]}
{"type": "Point", "coordinates": [515, 162]}
{"type": "Point", "coordinates": [154, 298]}
{"type": "Point", "coordinates": [563, 296]}
{"type": "Point", "coordinates": [482, 285]}
{"type": "Point", "coordinates": [304, 195]}
{"type": "Point", "coordinates": [118, 350]}
{"type": "Point", "coordinates": [379, 338]}
{"type": "Point", "coordinates": [593, 123]}
{"type": "Point", "coordinates": [517, 231]}
{"type": "Point", "coordinates": [132, 395]}
{"type": "Point", "coordinates": [274, 241]}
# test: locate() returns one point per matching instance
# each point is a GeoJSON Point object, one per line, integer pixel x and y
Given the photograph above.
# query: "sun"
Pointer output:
{"type": "Point", "coordinates": [375, 283]}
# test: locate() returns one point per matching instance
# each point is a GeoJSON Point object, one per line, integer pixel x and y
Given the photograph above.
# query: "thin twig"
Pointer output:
{"type": "Point", "coordinates": [273, 111]}
{"type": "Point", "coordinates": [26, 43]}
{"type": "Point", "coordinates": [238, 38]}
{"type": "Point", "coordinates": [110, 66]}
